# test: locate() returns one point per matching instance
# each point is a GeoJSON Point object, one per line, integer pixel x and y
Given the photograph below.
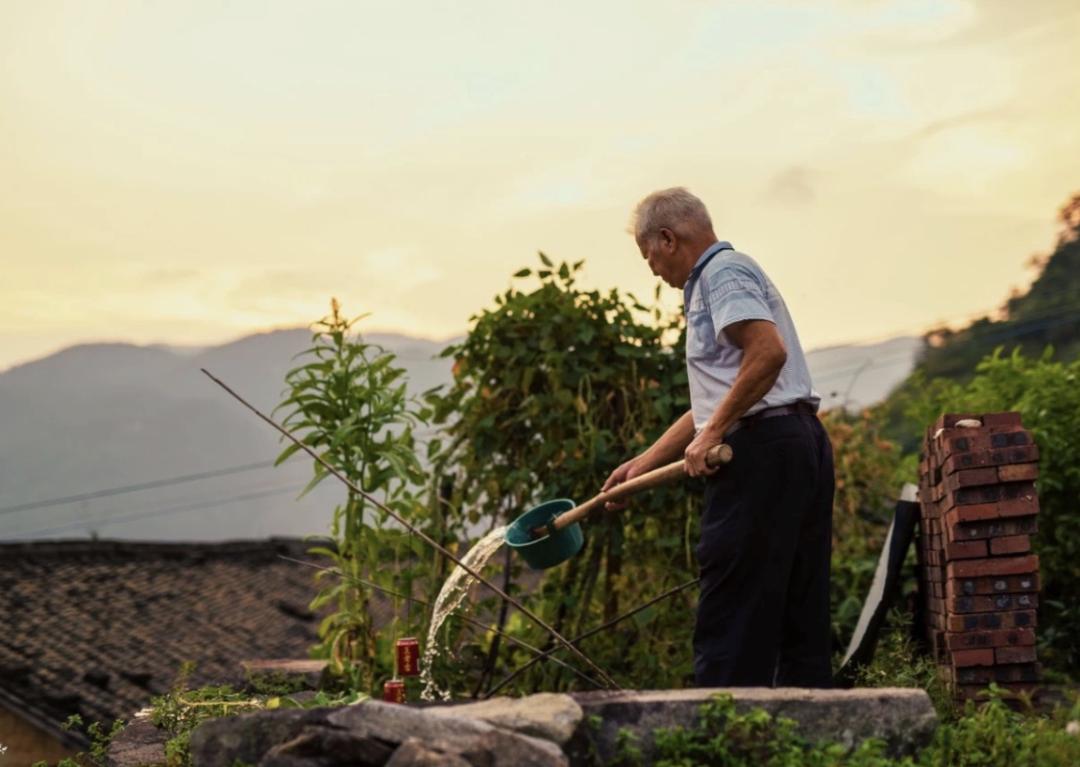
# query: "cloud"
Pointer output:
{"type": "Point", "coordinates": [792, 186]}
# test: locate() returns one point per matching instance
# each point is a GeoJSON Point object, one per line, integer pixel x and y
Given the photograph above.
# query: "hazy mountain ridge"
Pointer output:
{"type": "Point", "coordinates": [98, 416]}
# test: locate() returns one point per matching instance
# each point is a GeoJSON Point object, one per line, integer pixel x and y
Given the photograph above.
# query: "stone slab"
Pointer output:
{"type": "Point", "coordinates": [139, 744]}
{"type": "Point", "coordinates": [904, 718]}
{"type": "Point", "coordinates": [546, 715]}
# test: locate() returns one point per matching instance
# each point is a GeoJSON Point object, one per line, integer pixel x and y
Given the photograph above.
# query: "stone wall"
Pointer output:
{"type": "Point", "coordinates": [545, 730]}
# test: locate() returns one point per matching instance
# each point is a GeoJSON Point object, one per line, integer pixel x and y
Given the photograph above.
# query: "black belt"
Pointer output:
{"type": "Point", "coordinates": [796, 408]}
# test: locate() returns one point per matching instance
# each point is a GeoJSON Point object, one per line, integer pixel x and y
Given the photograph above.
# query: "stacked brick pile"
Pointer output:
{"type": "Point", "coordinates": [979, 578]}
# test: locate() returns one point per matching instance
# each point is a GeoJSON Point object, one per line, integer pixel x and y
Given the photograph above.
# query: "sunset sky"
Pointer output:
{"type": "Point", "coordinates": [188, 172]}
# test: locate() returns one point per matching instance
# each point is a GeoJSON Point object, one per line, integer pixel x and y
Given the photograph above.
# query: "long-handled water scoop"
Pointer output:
{"type": "Point", "coordinates": [549, 534]}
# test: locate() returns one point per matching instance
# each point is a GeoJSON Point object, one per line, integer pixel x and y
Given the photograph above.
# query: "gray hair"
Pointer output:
{"type": "Point", "coordinates": [676, 209]}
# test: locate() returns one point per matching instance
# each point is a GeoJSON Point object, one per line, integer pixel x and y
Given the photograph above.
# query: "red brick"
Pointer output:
{"type": "Point", "coordinates": [1009, 619]}
{"type": "Point", "coordinates": [965, 550]}
{"type": "Point", "coordinates": [969, 531]}
{"type": "Point", "coordinates": [981, 657]}
{"type": "Point", "coordinates": [980, 512]}
{"type": "Point", "coordinates": [973, 440]}
{"type": "Point", "coordinates": [989, 604]}
{"type": "Point", "coordinates": [1010, 418]}
{"type": "Point", "coordinates": [1012, 672]}
{"type": "Point", "coordinates": [1005, 584]}
{"type": "Point", "coordinates": [1014, 654]}
{"type": "Point", "coordinates": [970, 640]}
{"type": "Point", "coordinates": [1001, 491]}
{"type": "Point", "coordinates": [976, 568]}
{"type": "Point", "coordinates": [987, 475]}
{"type": "Point", "coordinates": [1000, 457]}
{"type": "Point", "coordinates": [1016, 472]}
{"type": "Point", "coordinates": [1010, 544]}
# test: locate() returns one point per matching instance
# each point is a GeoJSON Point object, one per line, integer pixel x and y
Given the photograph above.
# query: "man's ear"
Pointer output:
{"type": "Point", "coordinates": [667, 238]}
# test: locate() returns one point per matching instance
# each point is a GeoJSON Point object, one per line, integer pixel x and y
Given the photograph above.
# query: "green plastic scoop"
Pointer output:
{"type": "Point", "coordinates": [549, 534]}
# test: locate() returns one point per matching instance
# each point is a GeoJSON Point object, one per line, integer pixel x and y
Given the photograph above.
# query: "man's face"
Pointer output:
{"type": "Point", "coordinates": [658, 250]}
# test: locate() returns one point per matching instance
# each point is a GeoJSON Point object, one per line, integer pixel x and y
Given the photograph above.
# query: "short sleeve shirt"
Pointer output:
{"type": "Point", "coordinates": [726, 287]}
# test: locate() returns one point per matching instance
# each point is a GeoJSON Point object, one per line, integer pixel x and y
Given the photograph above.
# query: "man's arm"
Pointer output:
{"type": "Point", "coordinates": [669, 447]}
{"type": "Point", "coordinates": [764, 356]}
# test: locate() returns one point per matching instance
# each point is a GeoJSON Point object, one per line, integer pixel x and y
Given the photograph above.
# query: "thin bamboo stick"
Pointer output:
{"type": "Point", "coordinates": [421, 534]}
{"type": "Point", "coordinates": [547, 653]}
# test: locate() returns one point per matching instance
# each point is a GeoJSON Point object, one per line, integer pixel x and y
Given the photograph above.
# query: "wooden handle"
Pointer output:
{"type": "Point", "coordinates": [717, 455]}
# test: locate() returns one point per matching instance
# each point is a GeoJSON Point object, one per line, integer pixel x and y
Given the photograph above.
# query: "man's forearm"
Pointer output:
{"type": "Point", "coordinates": [671, 444]}
{"type": "Point", "coordinates": [755, 378]}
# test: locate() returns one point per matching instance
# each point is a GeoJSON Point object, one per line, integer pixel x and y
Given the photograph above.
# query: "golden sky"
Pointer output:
{"type": "Point", "coordinates": [186, 172]}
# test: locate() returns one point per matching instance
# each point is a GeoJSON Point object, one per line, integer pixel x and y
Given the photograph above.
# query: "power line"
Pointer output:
{"type": "Point", "coordinates": [136, 487]}
{"type": "Point", "coordinates": [168, 511]}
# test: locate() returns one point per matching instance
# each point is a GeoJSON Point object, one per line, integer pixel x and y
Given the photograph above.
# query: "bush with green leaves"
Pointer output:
{"type": "Point", "coordinates": [553, 388]}
{"type": "Point", "coordinates": [866, 490]}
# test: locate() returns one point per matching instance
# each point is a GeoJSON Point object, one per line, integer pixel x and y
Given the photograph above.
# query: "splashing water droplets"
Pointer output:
{"type": "Point", "coordinates": [450, 597]}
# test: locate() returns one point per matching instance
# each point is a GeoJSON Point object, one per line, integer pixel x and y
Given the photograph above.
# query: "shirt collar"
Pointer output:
{"type": "Point", "coordinates": [703, 259]}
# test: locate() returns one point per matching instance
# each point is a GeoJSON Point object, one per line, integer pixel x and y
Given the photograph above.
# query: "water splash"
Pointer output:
{"type": "Point", "coordinates": [450, 597]}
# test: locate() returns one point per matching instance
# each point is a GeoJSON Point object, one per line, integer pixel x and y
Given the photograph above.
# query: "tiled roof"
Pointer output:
{"type": "Point", "coordinates": [98, 627]}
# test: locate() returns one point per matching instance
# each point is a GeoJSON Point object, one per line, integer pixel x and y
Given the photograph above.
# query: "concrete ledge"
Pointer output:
{"type": "Point", "coordinates": [904, 718]}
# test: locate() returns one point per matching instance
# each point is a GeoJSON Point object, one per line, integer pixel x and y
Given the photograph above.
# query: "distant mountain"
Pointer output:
{"type": "Point", "coordinates": [100, 416]}
{"type": "Point", "coordinates": [857, 376]}
{"type": "Point", "coordinates": [1047, 314]}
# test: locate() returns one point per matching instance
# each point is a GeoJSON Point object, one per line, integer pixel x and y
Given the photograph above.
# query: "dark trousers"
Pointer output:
{"type": "Point", "coordinates": [766, 538]}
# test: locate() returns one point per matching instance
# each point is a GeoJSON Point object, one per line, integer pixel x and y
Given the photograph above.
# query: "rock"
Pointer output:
{"type": "Point", "coordinates": [416, 753]}
{"type": "Point", "coordinates": [904, 718]}
{"type": "Point", "coordinates": [398, 723]}
{"type": "Point", "coordinates": [245, 738]}
{"type": "Point", "coordinates": [546, 715]}
{"type": "Point", "coordinates": [469, 737]}
{"type": "Point", "coordinates": [364, 734]}
{"type": "Point", "coordinates": [139, 744]}
{"type": "Point", "coordinates": [498, 748]}
{"type": "Point", "coordinates": [328, 747]}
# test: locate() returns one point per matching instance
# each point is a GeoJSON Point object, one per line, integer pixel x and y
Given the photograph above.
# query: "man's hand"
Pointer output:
{"type": "Point", "coordinates": [628, 470]}
{"type": "Point", "coordinates": [696, 450]}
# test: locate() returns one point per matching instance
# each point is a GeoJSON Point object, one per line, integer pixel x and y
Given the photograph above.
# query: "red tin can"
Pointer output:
{"type": "Point", "coordinates": [393, 691]}
{"type": "Point", "coordinates": [408, 656]}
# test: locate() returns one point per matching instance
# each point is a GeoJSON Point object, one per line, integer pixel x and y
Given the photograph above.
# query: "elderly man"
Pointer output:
{"type": "Point", "coordinates": [766, 528]}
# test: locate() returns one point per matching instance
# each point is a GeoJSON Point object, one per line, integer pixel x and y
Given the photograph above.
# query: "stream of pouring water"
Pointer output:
{"type": "Point", "coordinates": [450, 596]}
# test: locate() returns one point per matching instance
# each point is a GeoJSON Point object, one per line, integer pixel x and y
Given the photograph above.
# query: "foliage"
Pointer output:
{"type": "Point", "coordinates": [994, 734]}
{"type": "Point", "coordinates": [898, 662]}
{"type": "Point", "coordinates": [349, 402]}
{"type": "Point", "coordinates": [1047, 394]}
{"type": "Point", "coordinates": [181, 710]}
{"type": "Point", "coordinates": [1047, 314]}
{"type": "Point", "coordinates": [99, 736]}
{"type": "Point", "coordinates": [984, 735]}
{"type": "Point", "coordinates": [722, 737]}
{"type": "Point", "coordinates": [866, 487]}
{"type": "Point", "coordinates": [552, 389]}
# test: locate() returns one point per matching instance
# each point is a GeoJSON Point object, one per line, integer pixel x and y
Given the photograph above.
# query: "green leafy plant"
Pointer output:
{"type": "Point", "coordinates": [179, 711]}
{"type": "Point", "coordinates": [553, 388]}
{"type": "Point", "coordinates": [348, 400]}
{"type": "Point", "coordinates": [722, 737]}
